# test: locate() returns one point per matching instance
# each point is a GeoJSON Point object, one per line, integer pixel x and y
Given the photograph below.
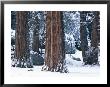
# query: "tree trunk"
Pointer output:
{"type": "Point", "coordinates": [21, 47]}
{"type": "Point", "coordinates": [95, 32]}
{"type": "Point", "coordinates": [95, 37]}
{"type": "Point", "coordinates": [83, 35]}
{"type": "Point", "coordinates": [35, 45]}
{"type": "Point", "coordinates": [54, 54]}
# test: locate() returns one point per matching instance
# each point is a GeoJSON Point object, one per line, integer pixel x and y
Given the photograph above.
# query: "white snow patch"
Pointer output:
{"type": "Point", "coordinates": [31, 52]}
{"type": "Point", "coordinates": [12, 32]}
{"type": "Point", "coordinates": [78, 54]}
{"type": "Point", "coordinates": [75, 66]}
{"type": "Point", "coordinates": [43, 50]}
{"type": "Point", "coordinates": [36, 76]}
{"type": "Point", "coordinates": [71, 62]}
{"type": "Point", "coordinates": [84, 69]}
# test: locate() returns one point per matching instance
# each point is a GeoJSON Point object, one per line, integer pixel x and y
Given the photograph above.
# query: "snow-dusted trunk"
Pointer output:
{"type": "Point", "coordinates": [54, 54]}
{"type": "Point", "coordinates": [83, 35]}
{"type": "Point", "coordinates": [90, 53]}
{"type": "Point", "coordinates": [35, 44]}
{"type": "Point", "coordinates": [21, 44]}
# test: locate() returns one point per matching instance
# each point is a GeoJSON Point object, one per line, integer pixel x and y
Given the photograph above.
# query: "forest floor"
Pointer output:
{"type": "Point", "coordinates": [77, 72]}
{"type": "Point", "coordinates": [77, 75]}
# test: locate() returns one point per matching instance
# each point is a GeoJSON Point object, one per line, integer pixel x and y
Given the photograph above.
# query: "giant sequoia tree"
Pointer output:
{"type": "Point", "coordinates": [54, 53]}
{"type": "Point", "coordinates": [21, 45]}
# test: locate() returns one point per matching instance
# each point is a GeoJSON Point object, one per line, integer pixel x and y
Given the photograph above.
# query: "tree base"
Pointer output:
{"type": "Point", "coordinates": [58, 69]}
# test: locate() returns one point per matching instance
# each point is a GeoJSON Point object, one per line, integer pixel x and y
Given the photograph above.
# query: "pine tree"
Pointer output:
{"type": "Point", "coordinates": [21, 46]}
{"type": "Point", "coordinates": [54, 54]}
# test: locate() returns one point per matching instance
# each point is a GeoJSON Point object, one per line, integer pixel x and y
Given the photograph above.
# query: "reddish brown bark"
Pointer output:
{"type": "Point", "coordinates": [20, 34]}
{"type": "Point", "coordinates": [95, 36]}
{"type": "Point", "coordinates": [54, 53]}
{"type": "Point", "coordinates": [22, 53]}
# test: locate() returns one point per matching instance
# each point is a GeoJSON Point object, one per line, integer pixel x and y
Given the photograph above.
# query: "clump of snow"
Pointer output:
{"type": "Point", "coordinates": [12, 32]}
{"type": "Point", "coordinates": [31, 52]}
{"type": "Point", "coordinates": [43, 50]}
{"type": "Point", "coordinates": [69, 38]}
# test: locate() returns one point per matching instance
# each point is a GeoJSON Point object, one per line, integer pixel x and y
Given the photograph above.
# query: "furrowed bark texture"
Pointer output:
{"type": "Point", "coordinates": [22, 52]}
{"type": "Point", "coordinates": [54, 54]}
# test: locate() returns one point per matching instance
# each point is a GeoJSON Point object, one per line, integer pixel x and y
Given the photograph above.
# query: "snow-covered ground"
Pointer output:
{"type": "Point", "coordinates": [36, 76]}
{"type": "Point", "coordinates": [77, 73]}
{"type": "Point", "coordinates": [74, 63]}
{"type": "Point", "coordinates": [72, 70]}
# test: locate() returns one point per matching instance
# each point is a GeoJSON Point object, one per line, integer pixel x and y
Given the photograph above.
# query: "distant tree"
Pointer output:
{"type": "Point", "coordinates": [42, 30]}
{"type": "Point", "coordinates": [34, 37]}
{"type": "Point", "coordinates": [95, 36]}
{"type": "Point", "coordinates": [13, 20]}
{"type": "Point", "coordinates": [34, 24]}
{"type": "Point", "coordinates": [71, 21]}
{"type": "Point", "coordinates": [83, 35]}
{"type": "Point", "coordinates": [54, 53]}
{"type": "Point", "coordinates": [90, 36]}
